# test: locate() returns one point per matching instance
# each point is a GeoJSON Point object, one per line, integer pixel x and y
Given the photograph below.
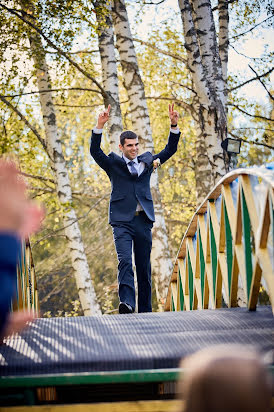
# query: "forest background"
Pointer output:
{"type": "Point", "coordinates": [59, 46]}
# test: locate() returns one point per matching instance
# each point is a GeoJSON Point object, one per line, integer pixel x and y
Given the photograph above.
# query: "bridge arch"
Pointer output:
{"type": "Point", "coordinates": [230, 236]}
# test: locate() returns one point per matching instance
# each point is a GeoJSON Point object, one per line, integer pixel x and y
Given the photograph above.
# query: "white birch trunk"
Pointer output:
{"type": "Point", "coordinates": [161, 261]}
{"type": "Point", "coordinates": [223, 40]}
{"type": "Point", "coordinates": [109, 75]}
{"type": "Point", "coordinates": [207, 39]}
{"type": "Point", "coordinates": [85, 288]}
{"type": "Point", "coordinates": [205, 67]}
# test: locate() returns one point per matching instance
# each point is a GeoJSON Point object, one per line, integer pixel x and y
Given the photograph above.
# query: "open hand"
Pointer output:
{"type": "Point", "coordinates": [18, 214]}
{"type": "Point", "coordinates": [103, 118]}
{"type": "Point", "coordinates": [173, 114]}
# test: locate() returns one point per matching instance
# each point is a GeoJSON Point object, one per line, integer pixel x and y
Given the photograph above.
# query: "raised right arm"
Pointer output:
{"type": "Point", "coordinates": [95, 145]}
{"type": "Point", "coordinates": [97, 153]}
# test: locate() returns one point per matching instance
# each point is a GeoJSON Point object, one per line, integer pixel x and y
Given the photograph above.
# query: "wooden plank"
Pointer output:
{"type": "Point", "coordinates": [267, 272]}
{"type": "Point", "coordinates": [167, 304]}
{"type": "Point", "coordinates": [255, 286]}
{"type": "Point", "coordinates": [181, 266]}
{"type": "Point", "coordinates": [206, 293]}
{"type": "Point", "coordinates": [234, 282]}
{"type": "Point", "coordinates": [215, 223]}
{"type": "Point", "coordinates": [230, 208]}
{"type": "Point", "coordinates": [223, 272]}
{"type": "Point", "coordinates": [191, 271]}
{"type": "Point", "coordinates": [202, 228]}
{"type": "Point", "coordinates": [218, 290]}
{"type": "Point", "coordinates": [245, 181]}
{"type": "Point", "coordinates": [181, 300]}
{"type": "Point", "coordinates": [229, 250]}
{"type": "Point", "coordinates": [263, 229]}
{"type": "Point", "coordinates": [137, 406]}
{"type": "Point", "coordinates": [247, 232]}
{"type": "Point", "coordinates": [222, 237]}
{"type": "Point", "coordinates": [195, 299]}
{"type": "Point", "coordinates": [238, 229]}
{"type": "Point", "coordinates": [198, 277]}
{"type": "Point", "coordinates": [239, 251]}
{"type": "Point", "coordinates": [184, 282]}
{"type": "Point", "coordinates": [174, 293]}
{"type": "Point", "coordinates": [210, 284]}
{"type": "Point", "coordinates": [198, 292]}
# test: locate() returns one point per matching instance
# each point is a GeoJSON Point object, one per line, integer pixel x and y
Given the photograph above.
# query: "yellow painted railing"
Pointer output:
{"type": "Point", "coordinates": [228, 246]}
{"type": "Point", "coordinates": [26, 293]}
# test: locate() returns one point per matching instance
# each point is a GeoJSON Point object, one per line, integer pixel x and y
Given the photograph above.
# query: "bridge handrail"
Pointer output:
{"type": "Point", "coordinates": [231, 233]}
{"type": "Point", "coordinates": [26, 291]}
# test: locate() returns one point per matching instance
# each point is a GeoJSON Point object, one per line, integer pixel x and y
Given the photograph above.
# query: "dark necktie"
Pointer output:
{"type": "Point", "coordinates": [133, 171]}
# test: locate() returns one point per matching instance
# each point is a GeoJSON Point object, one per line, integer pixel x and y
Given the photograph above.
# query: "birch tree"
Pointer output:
{"type": "Point", "coordinates": [109, 72]}
{"type": "Point", "coordinates": [85, 288]}
{"type": "Point", "coordinates": [161, 261]}
{"type": "Point", "coordinates": [207, 63]}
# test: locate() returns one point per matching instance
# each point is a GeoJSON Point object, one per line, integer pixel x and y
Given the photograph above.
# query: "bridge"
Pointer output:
{"type": "Point", "coordinates": [224, 260]}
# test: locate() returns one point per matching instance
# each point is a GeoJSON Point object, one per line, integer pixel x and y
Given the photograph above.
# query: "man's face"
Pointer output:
{"type": "Point", "coordinates": [130, 148]}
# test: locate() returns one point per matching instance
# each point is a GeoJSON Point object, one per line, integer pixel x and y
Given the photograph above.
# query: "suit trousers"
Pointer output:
{"type": "Point", "coordinates": [136, 233]}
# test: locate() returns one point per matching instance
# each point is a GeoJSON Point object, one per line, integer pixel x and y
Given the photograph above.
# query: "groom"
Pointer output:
{"type": "Point", "coordinates": [131, 212]}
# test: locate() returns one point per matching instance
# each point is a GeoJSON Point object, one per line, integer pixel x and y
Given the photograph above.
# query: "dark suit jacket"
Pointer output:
{"type": "Point", "coordinates": [126, 189]}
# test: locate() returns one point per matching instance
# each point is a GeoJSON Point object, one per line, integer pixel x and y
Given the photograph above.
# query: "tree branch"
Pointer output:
{"type": "Point", "coordinates": [76, 52]}
{"type": "Point", "coordinates": [44, 179]}
{"type": "Point", "coordinates": [79, 105]}
{"type": "Point", "coordinates": [251, 80]}
{"type": "Point", "coordinates": [259, 78]}
{"type": "Point", "coordinates": [249, 114]}
{"type": "Point", "coordinates": [251, 141]}
{"type": "Point", "coordinates": [253, 128]}
{"type": "Point", "coordinates": [58, 49]}
{"type": "Point", "coordinates": [244, 55]}
{"type": "Point", "coordinates": [184, 86]}
{"type": "Point", "coordinates": [23, 118]}
{"type": "Point", "coordinates": [148, 3]}
{"type": "Point", "coordinates": [53, 90]}
{"type": "Point", "coordinates": [252, 28]}
{"type": "Point", "coordinates": [186, 106]}
{"type": "Point", "coordinates": [167, 53]}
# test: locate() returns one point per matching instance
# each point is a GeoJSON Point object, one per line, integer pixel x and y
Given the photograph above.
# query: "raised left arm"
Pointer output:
{"type": "Point", "coordinates": [173, 138]}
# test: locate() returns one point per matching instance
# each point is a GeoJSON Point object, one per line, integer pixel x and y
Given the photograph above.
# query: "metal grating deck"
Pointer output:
{"type": "Point", "coordinates": [147, 341]}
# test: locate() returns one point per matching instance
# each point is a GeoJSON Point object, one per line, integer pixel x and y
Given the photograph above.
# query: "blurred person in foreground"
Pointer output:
{"type": "Point", "coordinates": [225, 379]}
{"type": "Point", "coordinates": [19, 217]}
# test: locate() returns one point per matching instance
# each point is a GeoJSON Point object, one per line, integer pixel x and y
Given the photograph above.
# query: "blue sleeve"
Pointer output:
{"type": "Point", "coordinates": [170, 148]}
{"type": "Point", "coordinates": [97, 153]}
{"type": "Point", "coordinates": [9, 255]}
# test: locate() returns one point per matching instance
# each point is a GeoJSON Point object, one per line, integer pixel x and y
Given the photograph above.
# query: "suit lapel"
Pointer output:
{"type": "Point", "coordinates": [147, 158]}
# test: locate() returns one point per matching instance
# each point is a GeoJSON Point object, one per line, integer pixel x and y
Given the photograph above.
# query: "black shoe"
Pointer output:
{"type": "Point", "coordinates": [125, 308]}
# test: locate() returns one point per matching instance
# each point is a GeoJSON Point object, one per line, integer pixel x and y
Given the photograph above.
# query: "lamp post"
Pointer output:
{"type": "Point", "coordinates": [232, 148]}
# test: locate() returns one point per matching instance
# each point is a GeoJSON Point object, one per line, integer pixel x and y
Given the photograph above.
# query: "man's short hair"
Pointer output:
{"type": "Point", "coordinates": [127, 134]}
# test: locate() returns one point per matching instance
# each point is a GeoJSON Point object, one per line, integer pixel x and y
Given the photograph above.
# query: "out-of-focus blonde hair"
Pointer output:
{"type": "Point", "coordinates": [226, 378]}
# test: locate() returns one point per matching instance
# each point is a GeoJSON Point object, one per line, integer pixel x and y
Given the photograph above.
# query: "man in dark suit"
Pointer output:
{"type": "Point", "coordinates": [131, 212]}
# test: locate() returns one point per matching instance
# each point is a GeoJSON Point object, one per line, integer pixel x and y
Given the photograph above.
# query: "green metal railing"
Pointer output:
{"type": "Point", "coordinates": [230, 237]}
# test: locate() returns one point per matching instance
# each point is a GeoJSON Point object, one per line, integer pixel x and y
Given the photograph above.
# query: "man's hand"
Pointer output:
{"type": "Point", "coordinates": [173, 114]}
{"type": "Point", "coordinates": [156, 164]}
{"type": "Point", "coordinates": [18, 214]}
{"type": "Point", "coordinates": [103, 118]}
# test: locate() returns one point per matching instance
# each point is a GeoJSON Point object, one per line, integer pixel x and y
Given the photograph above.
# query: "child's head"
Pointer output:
{"type": "Point", "coordinates": [227, 379]}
